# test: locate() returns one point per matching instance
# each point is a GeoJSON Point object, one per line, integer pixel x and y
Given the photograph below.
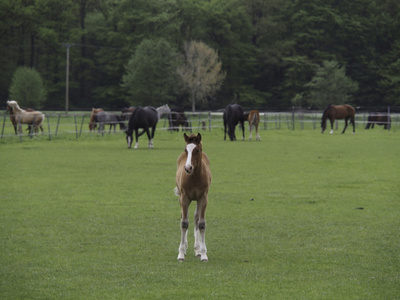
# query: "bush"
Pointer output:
{"type": "Point", "coordinates": [27, 88]}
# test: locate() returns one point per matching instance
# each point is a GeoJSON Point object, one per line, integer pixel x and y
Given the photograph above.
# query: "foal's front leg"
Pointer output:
{"type": "Point", "coordinates": [184, 227]}
{"type": "Point", "coordinates": [200, 230]}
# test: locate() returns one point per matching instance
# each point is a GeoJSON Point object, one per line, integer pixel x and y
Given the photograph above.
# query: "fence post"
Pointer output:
{"type": "Point", "coordinates": [209, 121]}
{"type": "Point", "coordinates": [80, 131]}
{"type": "Point", "coordinates": [76, 126]}
{"type": "Point", "coordinates": [265, 121]}
{"type": "Point", "coordinates": [19, 128]}
{"type": "Point", "coordinates": [58, 122]}
{"type": "Point", "coordinates": [388, 119]}
{"type": "Point", "coordinates": [293, 126]}
{"type": "Point", "coordinates": [4, 123]}
{"type": "Point", "coordinates": [48, 125]}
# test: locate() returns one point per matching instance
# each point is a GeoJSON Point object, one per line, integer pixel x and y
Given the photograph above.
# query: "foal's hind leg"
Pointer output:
{"type": "Point", "coordinates": [258, 138]}
{"type": "Point", "coordinates": [250, 129]}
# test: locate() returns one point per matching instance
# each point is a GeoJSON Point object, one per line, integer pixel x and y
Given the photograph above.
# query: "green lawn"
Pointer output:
{"type": "Point", "coordinates": [299, 215]}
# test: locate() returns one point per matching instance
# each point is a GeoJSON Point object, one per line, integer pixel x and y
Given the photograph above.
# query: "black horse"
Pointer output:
{"type": "Point", "coordinates": [103, 118]}
{"type": "Point", "coordinates": [233, 115]}
{"type": "Point", "coordinates": [379, 119]}
{"type": "Point", "coordinates": [177, 118]}
{"type": "Point", "coordinates": [145, 118]}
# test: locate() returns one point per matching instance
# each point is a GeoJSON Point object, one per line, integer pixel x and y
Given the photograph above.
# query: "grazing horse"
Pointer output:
{"type": "Point", "coordinates": [33, 118]}
{"type": "Point", "coordinates": [233, 115]}
{"type": "Point", "coordinates": [253, 117]}
{"type": "Point", "coordinates": [92, 122]}
{"type": "Point", "coordinates": [193, 180]}
{"type": "Point", "coordinates": [177, 118]}
{"type": "Point", "coordinates": [145, 118]}
{"type": "Point", "coordinates": [379, 119]}
{"type": "Point", "coordinates": [332, 112]}
{"type": "Point", "coordinates": [103, 118]}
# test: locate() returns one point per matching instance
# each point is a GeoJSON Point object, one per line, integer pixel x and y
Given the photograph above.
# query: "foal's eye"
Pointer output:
{"type": "Point", "coordinates": [197, 151]}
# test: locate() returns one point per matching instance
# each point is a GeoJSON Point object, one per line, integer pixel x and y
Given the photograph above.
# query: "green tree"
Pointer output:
{"type": "Point", "coordinates": [151, 77]}
{"type": "Point", "coordinates": [330, 85]}
{"type": "Point", "coordinates": [27, 88]}
{"type": "Point", "coordinates": [201, 72]}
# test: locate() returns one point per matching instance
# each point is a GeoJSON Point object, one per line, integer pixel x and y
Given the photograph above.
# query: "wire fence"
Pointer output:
{"type": "Point", "coordinates": [58, 124]}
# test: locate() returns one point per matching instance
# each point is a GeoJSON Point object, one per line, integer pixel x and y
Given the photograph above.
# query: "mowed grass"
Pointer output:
{"type": "Point", "coordinates": [299, 215]}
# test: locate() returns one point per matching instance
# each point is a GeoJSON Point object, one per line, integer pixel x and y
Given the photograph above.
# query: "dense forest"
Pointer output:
{"type": "Point", "coordinates": [269, 50]}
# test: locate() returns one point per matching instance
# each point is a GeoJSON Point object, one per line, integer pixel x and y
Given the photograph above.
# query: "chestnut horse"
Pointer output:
{"type": "Point", "coordinates": [379, 119]}
{"type": "Point", "coordinates": [193, 180]}
{"type": "Point", "coordinates": [253, 117]}
{"type": "Point", "coordinates": [20, 116]}
{"type": "Point", "coordinates": [332, 112]}
{"type": "Point", "coordinates": [92, 122]}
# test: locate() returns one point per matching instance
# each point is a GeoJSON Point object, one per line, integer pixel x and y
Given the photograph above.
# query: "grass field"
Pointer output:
{"type": "Point", "coordinates": [299, 215]}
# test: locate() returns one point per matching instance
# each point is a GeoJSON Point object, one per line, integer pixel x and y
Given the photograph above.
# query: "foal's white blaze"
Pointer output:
{"type": "Point", "coordinates": [188, 164]}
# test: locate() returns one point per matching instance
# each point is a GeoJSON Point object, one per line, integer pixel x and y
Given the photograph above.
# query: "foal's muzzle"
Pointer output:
{"type": "Point", "coordinates": [189, 169]}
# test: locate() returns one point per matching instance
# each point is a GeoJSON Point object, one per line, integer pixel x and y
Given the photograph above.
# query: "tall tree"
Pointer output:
{"type": "Point", "coordinates": [330, 85]}
{"type": "Point", "coordinates": [150, 76]}
{"type": "Point", "coordinates": [201, 72]}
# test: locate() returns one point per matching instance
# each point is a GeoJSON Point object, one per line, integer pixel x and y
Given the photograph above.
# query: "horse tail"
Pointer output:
{"type": "Point", "coordinates": [176, 191]}
{"type": "Point", "coordinates": [40, 122]}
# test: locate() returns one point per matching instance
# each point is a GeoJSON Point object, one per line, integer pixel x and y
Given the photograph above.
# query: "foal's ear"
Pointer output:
{"type": "Point", "coordinates": [198, 137]}
{"type": "Point", "coordinates": [185, 137]}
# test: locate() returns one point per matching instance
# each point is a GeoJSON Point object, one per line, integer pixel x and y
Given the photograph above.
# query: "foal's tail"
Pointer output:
{"type": "Point", "coordinates": [176, 191]}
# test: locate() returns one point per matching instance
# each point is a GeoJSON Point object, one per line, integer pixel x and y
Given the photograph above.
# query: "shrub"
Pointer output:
{"type": "Point", "coordinates": [27, 88]}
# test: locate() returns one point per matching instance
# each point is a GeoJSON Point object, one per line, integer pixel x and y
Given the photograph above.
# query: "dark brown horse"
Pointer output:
{"type": "Point", "coordinates": [253, 117]}
{"type": "Point", "coordinates": [193, 180]}
{"type": "Point", "coordinates": [379, 119]}
{"type": "Point", "coordinates": [333, 112]}
{"type": "Point", "coordinates": [177, 118]}
{"type": "Point", "coordinates": [233, 114]}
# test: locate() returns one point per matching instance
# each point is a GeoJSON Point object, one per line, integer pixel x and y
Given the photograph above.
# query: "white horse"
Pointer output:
{"type": "Point", "coordinates": [163, 110]}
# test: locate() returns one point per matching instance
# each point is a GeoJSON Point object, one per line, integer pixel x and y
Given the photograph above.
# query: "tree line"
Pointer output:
{"type": "Point", "coordinates": [260, 53]}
